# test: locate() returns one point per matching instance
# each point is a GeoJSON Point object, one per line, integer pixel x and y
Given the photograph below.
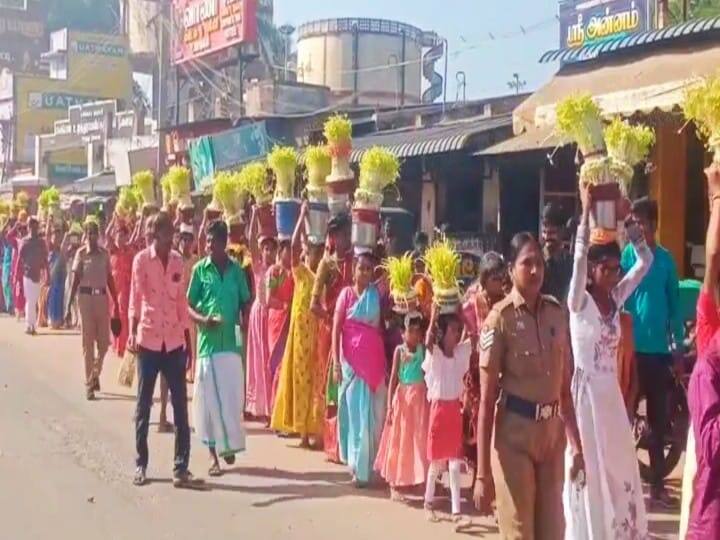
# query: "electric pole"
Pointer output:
{"type": "Point", "coordinates": [516, 84]}
{"type": "Point", "coordinates": [163, 71]}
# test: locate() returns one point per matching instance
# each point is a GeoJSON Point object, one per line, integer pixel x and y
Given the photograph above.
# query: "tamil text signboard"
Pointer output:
{"type": "Point", "coordinates": [203, 27]}
{"type": "Point", "coordinates": [594, 21]}
{"type": "Point", "coordinates": [96, 121]}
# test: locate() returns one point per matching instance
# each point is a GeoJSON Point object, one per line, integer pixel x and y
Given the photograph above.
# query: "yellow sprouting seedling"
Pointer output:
{"type": "Point", "coordinates": [579, 120]}
{"type": "Point", "coordinates": [443, 265]}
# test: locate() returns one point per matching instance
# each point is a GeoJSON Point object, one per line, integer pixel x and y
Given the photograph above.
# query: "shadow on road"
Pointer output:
{"type": "Point", "coordinates": [312, 476]}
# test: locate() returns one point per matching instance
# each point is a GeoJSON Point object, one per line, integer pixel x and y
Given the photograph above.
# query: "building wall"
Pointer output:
{"type": "Point", "coordinates": [98, 67]}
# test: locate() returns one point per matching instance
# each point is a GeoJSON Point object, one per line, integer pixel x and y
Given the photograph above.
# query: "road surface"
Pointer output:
{"type": "Point", "coordinates": [66, 469]}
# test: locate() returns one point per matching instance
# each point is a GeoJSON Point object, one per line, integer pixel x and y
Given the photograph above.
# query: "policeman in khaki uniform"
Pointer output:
{"type": "Point", "coordinates": [525, 396]}
{"type": "Point", "coordinates": [92, 279]}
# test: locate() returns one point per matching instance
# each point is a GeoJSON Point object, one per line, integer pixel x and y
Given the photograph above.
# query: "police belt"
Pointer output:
{"type": "Point", "coordinates": [528, 409]}
{"type": "Point", "coordinates": [92, 292]}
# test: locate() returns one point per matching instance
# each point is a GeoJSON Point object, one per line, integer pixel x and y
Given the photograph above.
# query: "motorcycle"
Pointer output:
{"type": "Point", "coordinates": [678, 418]}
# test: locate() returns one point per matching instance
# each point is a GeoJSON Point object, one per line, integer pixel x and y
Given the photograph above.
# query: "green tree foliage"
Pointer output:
{"type": "Point", "coordinates": [697, 9]}
{"type": "Point", "coordinates": [85, 15]}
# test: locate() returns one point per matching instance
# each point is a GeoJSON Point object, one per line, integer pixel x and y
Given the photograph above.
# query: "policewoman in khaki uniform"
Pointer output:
{"type": "Point", "coordinates": [525, 375]}
{"type": "Point", "coordinates": [92, 279]}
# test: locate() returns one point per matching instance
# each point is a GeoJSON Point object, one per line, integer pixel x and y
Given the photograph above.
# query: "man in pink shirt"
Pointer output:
{"type": "Point", "coordinates": [159, 321]}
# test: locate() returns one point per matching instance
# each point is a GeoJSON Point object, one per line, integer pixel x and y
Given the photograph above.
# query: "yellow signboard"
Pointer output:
{"type": "Point", "coordinates": [98, 68]}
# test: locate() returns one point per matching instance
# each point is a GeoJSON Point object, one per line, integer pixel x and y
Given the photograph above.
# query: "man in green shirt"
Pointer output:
{"type": "Point", "coordinates": [218, 296]}
{"type": "Point", "coordinates": [658, 331]}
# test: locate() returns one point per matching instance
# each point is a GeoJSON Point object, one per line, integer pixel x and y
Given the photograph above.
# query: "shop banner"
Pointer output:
{"type": "Point", "coordinates": [588, 22]}
{"type": "Point", "coordinates": [201, 162]}
{"type": "Point", "coordinates": [203, 27]}
{"type": "Point", "coordinates": [240, 145]}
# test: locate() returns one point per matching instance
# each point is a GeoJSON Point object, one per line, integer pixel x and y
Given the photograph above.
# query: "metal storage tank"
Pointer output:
{"type": "Point", "coordinates": [368, 61]}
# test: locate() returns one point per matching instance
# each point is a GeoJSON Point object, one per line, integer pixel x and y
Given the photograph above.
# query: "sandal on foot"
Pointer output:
{"type": "Point", "coordinates": [396, 496]}
{"type": "Point", "coordinates": [139, 479]}
{"type": "Point", "coordinates": [215, 470]}
{"type": "Point", "coordinates": [430, 515]}
{"type": "Point", "coordinates": [185, 480]}
{"type": "Point", "coordinates": [461, 522]}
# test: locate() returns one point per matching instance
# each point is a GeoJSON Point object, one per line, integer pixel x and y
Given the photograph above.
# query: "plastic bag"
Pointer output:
{"type": "Point", "coordinates": [126, 375]}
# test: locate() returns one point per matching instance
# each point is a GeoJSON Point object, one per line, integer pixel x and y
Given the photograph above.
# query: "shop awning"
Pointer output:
{"type": "Point", "coordinates": [623, 84]}
{"type": "Point", "coordinates": [672, 32]}
{"type": "Point", "coordinates": [438, 139]}
{"type": "Point", "coordinates": [97, 184]}
{"type": "Point", "coordinates": [532, 139]}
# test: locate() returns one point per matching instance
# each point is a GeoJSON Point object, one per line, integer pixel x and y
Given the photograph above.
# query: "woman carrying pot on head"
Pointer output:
{"type": "Point", "coordinates": [359, 367]}
{"type": "Point", "coordinates": [611, 504]}
{"type": "Point", "coordinates": [525, 370]}
{"type": "Point", "coordinates": [263, 250]}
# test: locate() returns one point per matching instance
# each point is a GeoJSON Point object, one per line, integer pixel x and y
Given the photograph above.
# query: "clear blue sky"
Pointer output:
{"type": "Point", "coordinates": [488, 64]}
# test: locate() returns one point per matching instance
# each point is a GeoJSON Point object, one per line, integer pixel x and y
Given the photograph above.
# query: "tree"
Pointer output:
{"type": "Point", "coordinates": [84, 15]}
{"type": "Point", "coordinates": [697, 9]}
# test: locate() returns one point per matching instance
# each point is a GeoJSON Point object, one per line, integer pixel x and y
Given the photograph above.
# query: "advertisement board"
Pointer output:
{"type": "Point", "coordinates": [22, 35]}
{"type": "Point", "coordinates": [203, 27]}
{"type": "Point", "coordinates": [13, 4]}
{"type": "Point", "coordinates": [240, 145]}
{"type": "Point", "coordinates": [590, 22]}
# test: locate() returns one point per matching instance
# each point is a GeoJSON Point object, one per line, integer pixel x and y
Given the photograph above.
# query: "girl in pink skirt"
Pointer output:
{"type": "Point", "coordinates": [446, 362]}
{"type": "Point", "coordinates": [402, 456]}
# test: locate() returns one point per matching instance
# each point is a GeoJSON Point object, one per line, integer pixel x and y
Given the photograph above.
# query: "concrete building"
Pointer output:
{"type": "Point", "coordinates": [83, 67]}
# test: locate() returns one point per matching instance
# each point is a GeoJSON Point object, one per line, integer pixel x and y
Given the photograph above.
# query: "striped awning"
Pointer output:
{"type": "Point", "coordinates": [438, 139]}
{"type": "Point", "coordinates": [642, 82]}
{"type": "Point", "coordinates": [588, 52]}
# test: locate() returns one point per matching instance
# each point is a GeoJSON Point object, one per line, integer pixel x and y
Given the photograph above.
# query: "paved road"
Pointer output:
{"type": "Point", "coordinates": [66, 467]}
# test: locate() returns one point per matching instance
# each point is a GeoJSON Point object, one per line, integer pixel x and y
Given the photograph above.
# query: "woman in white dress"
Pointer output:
{"type": "Point", "coordinates": [609, 503]}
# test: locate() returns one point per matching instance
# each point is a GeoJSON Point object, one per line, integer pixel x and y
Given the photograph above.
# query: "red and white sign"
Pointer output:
{"type": "Point", "coordinates": [203, 27]}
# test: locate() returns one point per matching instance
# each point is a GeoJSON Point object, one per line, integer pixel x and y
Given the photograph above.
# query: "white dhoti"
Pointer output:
{"type": "Point", "coordinates": [32, 295]}
{"type": "Point", "coordinates": [219, 402]}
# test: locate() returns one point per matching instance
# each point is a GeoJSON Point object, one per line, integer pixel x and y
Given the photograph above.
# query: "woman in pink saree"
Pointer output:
{"type": "Point", "coordinates": [258, 379]}
{"type": "Point", "coordinates": [359, 365]}
{"type": "Point", "coordinates": [280, 287]}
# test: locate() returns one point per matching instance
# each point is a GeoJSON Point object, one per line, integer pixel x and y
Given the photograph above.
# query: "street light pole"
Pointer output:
{"type": "Point", "coordinates": [286, 30]}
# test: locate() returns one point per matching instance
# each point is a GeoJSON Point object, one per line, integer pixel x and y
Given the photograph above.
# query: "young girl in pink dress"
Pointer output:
{"type": "Point", "coordinates": [446, 362]}
{"type": "Point", "coordinates": [402, 456]}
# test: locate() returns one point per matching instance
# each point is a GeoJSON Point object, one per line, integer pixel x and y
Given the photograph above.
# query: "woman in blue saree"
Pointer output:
{"type": "Point", "coordinates": [56, 293]}
{"type": "Point", "coordinates": [359, 365]}
{"type": "Point", "coordinates": [7, 259]}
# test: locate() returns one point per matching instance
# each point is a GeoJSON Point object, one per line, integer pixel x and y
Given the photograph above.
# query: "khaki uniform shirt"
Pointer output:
{"type": "Point", "coordinates": [527, 352]}
{"type": "Point", "coordinates": [94, 267]}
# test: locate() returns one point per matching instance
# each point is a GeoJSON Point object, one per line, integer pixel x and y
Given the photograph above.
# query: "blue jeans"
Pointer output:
{"type": "Point", "coordinates": [172, 366]}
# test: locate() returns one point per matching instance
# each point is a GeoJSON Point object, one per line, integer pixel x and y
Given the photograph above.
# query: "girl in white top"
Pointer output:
{"type": "Point", "coordinates": [446, 362]}
{"type": "Point", "coordinates": [610, 504]}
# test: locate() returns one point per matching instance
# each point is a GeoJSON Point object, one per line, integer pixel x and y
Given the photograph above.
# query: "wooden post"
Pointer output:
{"type": "Point", "coordinates": [668, 187]}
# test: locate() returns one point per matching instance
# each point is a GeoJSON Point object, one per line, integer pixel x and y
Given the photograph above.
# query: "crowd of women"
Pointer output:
{"type": "Point", "coordinates": [519, 386]}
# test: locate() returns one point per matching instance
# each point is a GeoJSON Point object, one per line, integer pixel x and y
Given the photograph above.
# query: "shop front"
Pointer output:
{"type": "Point", "coordinates": [642, 77]}
{"type": "Point", "coordinates": [442, 182]}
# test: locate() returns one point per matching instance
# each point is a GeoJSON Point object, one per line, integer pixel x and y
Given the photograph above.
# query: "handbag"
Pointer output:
{"type": "Point", "coordinates": [126, 374]}
{"type": "Point", "coordinates": [116, 326]}
{"type": "Point", "coordinates": [330, 435]}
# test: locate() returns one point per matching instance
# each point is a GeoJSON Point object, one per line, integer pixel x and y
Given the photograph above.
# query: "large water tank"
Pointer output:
{"type": "Point", "coordinates": [364, 61]}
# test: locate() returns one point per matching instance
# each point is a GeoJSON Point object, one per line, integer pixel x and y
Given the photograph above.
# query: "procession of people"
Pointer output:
{"type": "Point", "coordinates": [312, 324]}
